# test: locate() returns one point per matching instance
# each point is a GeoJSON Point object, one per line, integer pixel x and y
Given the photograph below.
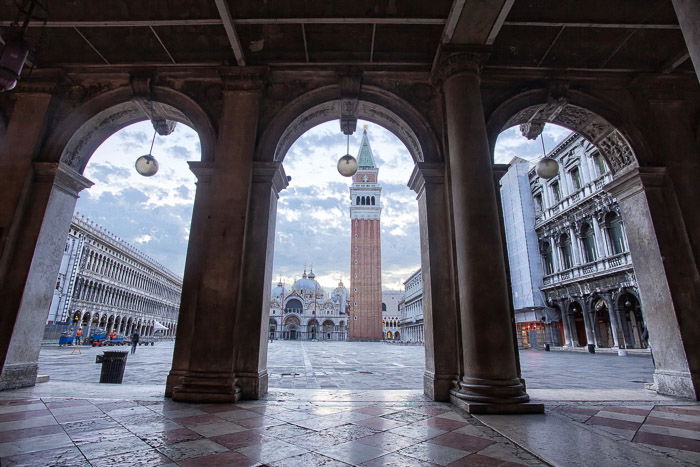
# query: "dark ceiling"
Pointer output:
{"type": "Point", "coordinates": [618, 35]}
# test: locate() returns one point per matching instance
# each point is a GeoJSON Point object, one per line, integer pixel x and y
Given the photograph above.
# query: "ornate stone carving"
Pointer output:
{"type": "Point", "coordinates": [610, 142]}
{"type": "Point", "coordinates": [455, 60]}
{"type": "Point", "coordinates": [350, 85]}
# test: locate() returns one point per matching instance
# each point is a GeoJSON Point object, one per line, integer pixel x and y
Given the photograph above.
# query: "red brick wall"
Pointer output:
{"type": "Point", "coordinates": [366, 277]}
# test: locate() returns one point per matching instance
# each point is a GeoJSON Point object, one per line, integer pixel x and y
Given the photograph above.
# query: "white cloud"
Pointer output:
{"type": "Point", "coordinates": [145, 238]}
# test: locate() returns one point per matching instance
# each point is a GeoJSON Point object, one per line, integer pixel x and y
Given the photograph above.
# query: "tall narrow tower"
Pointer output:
{"type": "Point", "coordinates": [365, 321]}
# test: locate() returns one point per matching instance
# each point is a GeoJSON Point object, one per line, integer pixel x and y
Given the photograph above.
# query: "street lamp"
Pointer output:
{"type": "Point", "coordinates": [147, 165]}
{"type": "Point", "coordinates": [347, 165]}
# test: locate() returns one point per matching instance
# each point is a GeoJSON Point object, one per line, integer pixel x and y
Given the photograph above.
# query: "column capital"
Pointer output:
{"type": "Point", "coordinates": [62, 176]}
{"type": "Point", "coordinates": [426, 172]}
{"type": "Point", "coordinates": [635, 180]}
{"type": "Point", "coordinates": [458, 60]}
{"type": "Point", "coordinates": [202, 170]}
{"type": "Point", "coordinates": [271, 172]}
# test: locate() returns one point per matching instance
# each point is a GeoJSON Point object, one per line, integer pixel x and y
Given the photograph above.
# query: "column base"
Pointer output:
{"type": "Point", "coordinates": [437, 387]}
{"type": "Point", "coordinates": [676, 383]}
{"type": "Point", "coordinates": [18, 375]}
{"type": "Point", "coordinates": [175, 378]}
{"type": "Point", "coordinates": [490, 391]}
{"type": "Point", "coordinates": [481, 408]}
{"type": "Point", "coordinates": [252, 385]}
{"type": "Point", "coordinates": [207, 387]}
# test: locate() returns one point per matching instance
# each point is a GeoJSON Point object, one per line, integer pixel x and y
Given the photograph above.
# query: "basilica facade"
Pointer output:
{"type": "Point", "coordinates": [306, 312]}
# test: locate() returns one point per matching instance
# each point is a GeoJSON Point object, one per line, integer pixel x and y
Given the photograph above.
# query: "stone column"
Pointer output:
{"type": "Point", "coordinates": [440, 315]}
{"type": "Point", "coordinates": [490, 380]}
{"type": "Point", "coordinates": [213, 291]}
{"type": "Point", "coordinates": [589, 322]}
{"type": "Point", "coordinates": [188, 298]}
{"type": "Point", "coordinates": [252, 325]}
{"type": "Point", "coordinates": [614, 319]}
{"type": "Point", "coordinates": [599, 240]}
{"type": "Point", "coordinates": [585, 168]}
{"type": "Point", "coordinates": [575, 247]}
{"type": "Point", "coordinates": [566, 324]}
{"type": "Point", "coordinates": [669, 284]}
{"type": "Point", "coordinates": [688, 13]}
{"type": "Point", "coordinates": [33, 267]}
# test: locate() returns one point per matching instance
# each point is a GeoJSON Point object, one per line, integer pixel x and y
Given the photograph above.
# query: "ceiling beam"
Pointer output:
{"type": "Point", "coordinates": [551, 46]}
{"type": "Point", "coordinates": [452, 20]}
{"type": "Point", "coordinates": [498, 24]}
{"type": "Point", "coordinates": [371, 47]}
{"type": "Point", "coordinates": [231, 33]}
{"type": "Point", "coordinates": [94, 49]}
{"type": "Point", "coordinates": [219, 21]}
{"type": "Point", "coordinates": [552, 24]}
{"type": "Point", "coordinates": [306, 45]}
{"type": "Point", "coordinates": [674, 62]}
{"type": "Point", "coordinates": [162, 44]}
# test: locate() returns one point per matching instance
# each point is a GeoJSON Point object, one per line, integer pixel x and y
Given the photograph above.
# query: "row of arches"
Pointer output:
{"type": "Point", "coordinates": [124, 325]}
{"type": "Point", "coordinates": [293, 329]}
{"type": "Point", "coordinates": [121, 272]}
{"type": "Point", "coordinates": [93, 291]}
{"type": "Point", "coordinates": [365, 201]}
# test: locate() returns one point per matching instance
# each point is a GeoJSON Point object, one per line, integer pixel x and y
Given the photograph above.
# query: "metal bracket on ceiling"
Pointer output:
{"type": "Point", "coordinates": [350, 85]}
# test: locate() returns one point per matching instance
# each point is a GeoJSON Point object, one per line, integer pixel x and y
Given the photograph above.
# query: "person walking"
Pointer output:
{"type": "Point", "coordinates": [78, 336]}
{"type": "Point", "coordinates": [134, 342]}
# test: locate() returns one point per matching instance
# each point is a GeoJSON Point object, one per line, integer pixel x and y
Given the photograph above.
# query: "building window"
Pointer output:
{"type": "Point", "coordinates": [546, 249]}
{"type": "Point", "coordinates": [617, 240]}
{"type": "Point", "coordinates": [600, 164]}
{"type": "Point", "coordinates": [556, 193]}
{"type": "Point", "coordinates": [565, 248]}
{"type": "Point", "coordinates": [588, 240]}
{"type": "Point", "coordinates": [538, 203]}
{"type": "Point", "coordinates": [575, 178]}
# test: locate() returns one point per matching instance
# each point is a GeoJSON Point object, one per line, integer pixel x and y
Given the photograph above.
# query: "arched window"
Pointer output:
{"type": "Point", "coordinates": [294, 306]}
{"type": "Point", "coordinates": [617, 240]}
{"type": "Point", "coordinates": [357, 200]}
{"type": "Point", "coordinates": [546, 249]}
{"type": "Point", "coordinates": [565, 248]}
{"type": "Point", "coordinates": [383, 306]}
{"type": "Point", "coordinates": [372, 200]}
{"type": "Point", "coordinates": [588, 240]}
{"type": "Point", "coordinates": [556, 192]}
{"type": "Point", "coordinates": [363, 200]}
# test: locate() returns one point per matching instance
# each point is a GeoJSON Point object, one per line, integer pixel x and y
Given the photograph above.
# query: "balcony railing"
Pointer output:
{"type": "Point", "coordinates": [589, 269]}
{"type": "Point", "coordinates": [575, 198]}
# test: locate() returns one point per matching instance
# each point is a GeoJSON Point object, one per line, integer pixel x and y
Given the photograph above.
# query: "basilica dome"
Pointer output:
{"type": "Point", "coordinates": [278, 292]}
{"type": "Point", "coordinates": [307, 285]}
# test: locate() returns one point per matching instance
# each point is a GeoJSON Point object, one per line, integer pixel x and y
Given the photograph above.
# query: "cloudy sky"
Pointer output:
{"type": "Point", "coordinates": [154, 213]}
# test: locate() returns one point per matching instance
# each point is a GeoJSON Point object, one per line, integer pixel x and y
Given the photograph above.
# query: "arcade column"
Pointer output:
{"type": "Point", "coordinates": [489, 382]}
{"type": "Point", "coordinates": [205, 365]}
{"type": "Point", "coordinates": [440, 315]}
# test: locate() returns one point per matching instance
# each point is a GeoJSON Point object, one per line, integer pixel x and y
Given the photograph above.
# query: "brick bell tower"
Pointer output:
{"type": "Point", "coordinates": [365, 321]}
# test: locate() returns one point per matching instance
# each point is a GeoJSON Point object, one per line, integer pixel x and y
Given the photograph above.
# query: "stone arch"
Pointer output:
{"type": "Point", "coordinates": [323, 105]}
{"type": "Point", "coordinates": [593, 119]}
{"type": "Point", "coordinates": [86, 127]}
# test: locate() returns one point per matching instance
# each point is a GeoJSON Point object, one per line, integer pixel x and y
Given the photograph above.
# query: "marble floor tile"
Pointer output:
{"type": "Point", "coordinates": [285, 431]}
{"type": "Point", "coordinates": [141, 458]}
{"type": "Point", "coordinates": [507, 451]}
{"type": "Point", "coordinates": [13, 435]}
{"type": "Point", "coordinates": [375, 410]}
{"type": "Point", "coordinates": [389, 442]}
{"type": "Point", "coordinates": [417, 432]}
{"type": "Point", "coordinates": [320, 423]}
{"type": "Point", "coordinates": [396, 460]}
{"type": "Point", "coordinates": [162, 438]}
{"type": "Point", "coordinates": [28, 423]}
{"type": "Point", "coordinates": [35, 443]}
{"type": "Point", "coordinates": [13, 408]}
{"type": "Point", "coordinates": [268, 451]}
{"type": "Point", "coordinates": [218, 460]}
{"type": "Point", "coordinates": [478, 460]}
{"type": "Point", "coordinates": [350, 432]}
{"type": "Point", "coordinates": [96, 436]}
{"type": "Point", "coordinates": [194, 420]}
{"type": "Point", "coordinates": [307, 460]}
{"type": "Point", "coordinates": [461, 441]}
{"type": "Point", "coordinates": [112, 447]}
{"type": "Point", "coordinates": [428, 452]}
{"type": "Point", "coordinates": [99, 423]}
{"type": "Point", "coordinates": [8, 417]}
{"type": "Point", "coordinates": [240, 439]}
{"type": "Point", "coordinates": [442, 423]}
{"type": "Point", "coordinates": [215, 429]}
{"type": "Point", "coordinates": [379, 423]}
{"type": "Point", "coordinates": [260, 422]}
{"type": "Point", "coordinates": [190, 449]}
{"type": "Point", "coordinates": [238, 414]}
{"type": "Point", "coordinates": [61, 457]}
{"type": "Point", "coordinates": [352, 452]}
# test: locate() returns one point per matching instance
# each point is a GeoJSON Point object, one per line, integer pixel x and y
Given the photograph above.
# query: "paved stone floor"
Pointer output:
{"type": "Point", "coordinates": [360, 365]}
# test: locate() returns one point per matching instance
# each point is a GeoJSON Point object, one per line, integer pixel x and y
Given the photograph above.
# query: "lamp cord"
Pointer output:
{"type": "Point", "coordinates": [348, 147]}
{"type": "Point", "coordinates": [544, 153]}
{"type": "Point", "coordinates": [153, 141]}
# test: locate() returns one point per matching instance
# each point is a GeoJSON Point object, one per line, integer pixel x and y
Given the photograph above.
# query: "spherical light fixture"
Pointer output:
{"type": "Point", "coordinates": [347, 165]}
{"type": "Point", "coordinates": [547, 168]}
{"type": "Point", "coordinates": [146, 165]}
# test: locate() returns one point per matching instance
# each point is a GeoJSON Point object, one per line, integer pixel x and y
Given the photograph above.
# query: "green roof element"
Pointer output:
{"type": "Point", "coordinates": [365, 159]}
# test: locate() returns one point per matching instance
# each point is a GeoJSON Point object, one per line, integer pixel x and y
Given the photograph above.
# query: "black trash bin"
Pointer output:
{"type": "Point", "coordinates": [113, 364]}
{"type": "Point", "coordinates": [591, 348]}
{"type": "Point", "coordinates": [546, 347]}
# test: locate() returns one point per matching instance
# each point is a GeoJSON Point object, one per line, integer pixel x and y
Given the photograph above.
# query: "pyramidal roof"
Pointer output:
{"type": "Point", "coordinates": [365, 159]}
